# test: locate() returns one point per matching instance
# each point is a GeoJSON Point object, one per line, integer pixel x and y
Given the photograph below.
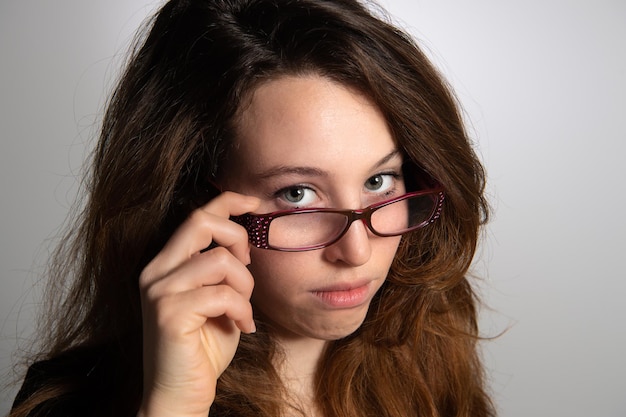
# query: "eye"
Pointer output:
{"type": "Point", "coordinates": [300, 196]}
{"type": "Point", "coordinates": [380, 182]}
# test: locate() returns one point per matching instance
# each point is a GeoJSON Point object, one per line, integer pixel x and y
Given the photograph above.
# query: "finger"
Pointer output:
{"type": "Point", "coordinates": [211, 223]}
{"type": "Point", "coordinates": [226, 205]}
{"type": "Point", "coordinates": [202, 227]}
{"type": "Point", "coordinates": [230, 235]}
{"type": "Point", "coordinates": [217, 266]}
{"type": "Point", "coordinates": [230, 203]}
{"type": "Point", "coordinates": [184, 313]}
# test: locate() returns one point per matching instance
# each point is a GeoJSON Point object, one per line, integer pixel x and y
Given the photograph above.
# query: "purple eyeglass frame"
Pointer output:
{"type": "Point", "coordinates": [258, 225]}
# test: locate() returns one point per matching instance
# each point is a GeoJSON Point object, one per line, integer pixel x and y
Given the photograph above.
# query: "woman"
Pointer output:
{"type": "Point", "coordinates": [282, 211]}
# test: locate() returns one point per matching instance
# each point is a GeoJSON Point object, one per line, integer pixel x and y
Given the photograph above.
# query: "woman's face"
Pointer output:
{"type": "Point", "coordinates": [309, 142]}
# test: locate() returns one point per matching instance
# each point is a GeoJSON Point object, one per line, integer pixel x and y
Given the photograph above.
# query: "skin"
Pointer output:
{"type": "Point", "coordinates": [302, 142]}
{"type": "Point", "coordinates": [288, 136]}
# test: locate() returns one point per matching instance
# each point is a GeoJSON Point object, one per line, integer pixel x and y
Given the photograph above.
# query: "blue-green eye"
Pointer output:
{"type": "Point", "coordinates": [380, 182]}
{"type": "Point", "coordinates": [302, 196]}
{"type": "Point", "coordinates": [294, 195]}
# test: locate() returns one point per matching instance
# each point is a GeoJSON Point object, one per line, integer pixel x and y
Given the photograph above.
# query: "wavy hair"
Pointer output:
{"type": "Point", "coordinates": [168, 128]}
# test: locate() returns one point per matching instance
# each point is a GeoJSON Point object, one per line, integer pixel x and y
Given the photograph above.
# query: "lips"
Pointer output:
{"type": "Point", "coordinates": [348, 295]}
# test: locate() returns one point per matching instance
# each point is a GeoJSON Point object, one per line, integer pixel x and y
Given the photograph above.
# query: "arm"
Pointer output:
{"type": "Point", "coordinates": [195, 303]}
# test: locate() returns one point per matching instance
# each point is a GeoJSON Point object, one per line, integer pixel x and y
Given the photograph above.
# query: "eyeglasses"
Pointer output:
{"type": "Point", "coordinates": [315, 228]}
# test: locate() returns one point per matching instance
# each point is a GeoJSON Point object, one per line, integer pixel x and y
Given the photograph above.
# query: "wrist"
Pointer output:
{"type": "Point", "coordinates": [155, 408]}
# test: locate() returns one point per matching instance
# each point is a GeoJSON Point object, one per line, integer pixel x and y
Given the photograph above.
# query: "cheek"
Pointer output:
{"type": "Point", "coordinates": [281, 281]}
{"type": "Point", "coordinates": [274, 271]}
{"type": "Point", "coordinates": [263, 265]}
{"type": "Point", "coordinates": [385, 249]}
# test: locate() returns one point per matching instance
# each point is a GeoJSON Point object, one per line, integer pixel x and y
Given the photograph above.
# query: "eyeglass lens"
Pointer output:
{"type": "Point", "coordinates": [304, 230]}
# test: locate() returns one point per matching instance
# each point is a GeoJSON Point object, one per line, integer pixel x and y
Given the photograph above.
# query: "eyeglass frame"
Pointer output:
{"type": "Point", "coordinates": [258, 225]}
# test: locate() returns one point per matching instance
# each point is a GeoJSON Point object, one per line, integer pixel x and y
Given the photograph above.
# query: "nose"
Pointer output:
{"type": "Point", "coordinates": [353, 248]}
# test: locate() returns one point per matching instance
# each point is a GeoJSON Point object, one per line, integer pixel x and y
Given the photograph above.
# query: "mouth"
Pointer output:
{"type": "Point", "coordinates": [341, 296]}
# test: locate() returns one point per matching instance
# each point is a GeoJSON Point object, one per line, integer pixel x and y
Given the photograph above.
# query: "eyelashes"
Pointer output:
{"type": "Point", "coordinates": [384, 183]}
{"type": "Point", "coordinates": [377, 187]}
{"type": "Point", "coordinates": [300, 195]}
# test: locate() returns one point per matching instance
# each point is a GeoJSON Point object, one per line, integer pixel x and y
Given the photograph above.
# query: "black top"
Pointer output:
{"type": "Point", "coordinates": [98, 381]}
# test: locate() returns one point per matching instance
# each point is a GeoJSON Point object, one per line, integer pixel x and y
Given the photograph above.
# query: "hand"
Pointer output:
{"type": "Point", "coordinates": [194, 307]}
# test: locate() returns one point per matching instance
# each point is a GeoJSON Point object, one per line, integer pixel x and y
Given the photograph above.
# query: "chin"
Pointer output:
{"type": "Point", "coordinates": [335, 329]}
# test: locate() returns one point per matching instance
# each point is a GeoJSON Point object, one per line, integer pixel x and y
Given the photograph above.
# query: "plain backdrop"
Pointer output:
{"type": "Point", "coordinates": [543, 84]}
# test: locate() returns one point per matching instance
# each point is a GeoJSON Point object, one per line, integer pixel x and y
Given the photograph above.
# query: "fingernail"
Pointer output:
{"type": "Point", "coordinates": [252, 328]}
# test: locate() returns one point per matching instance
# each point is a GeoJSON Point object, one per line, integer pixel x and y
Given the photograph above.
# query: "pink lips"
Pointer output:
{"type": "Point", "coordinates": [343, 296]}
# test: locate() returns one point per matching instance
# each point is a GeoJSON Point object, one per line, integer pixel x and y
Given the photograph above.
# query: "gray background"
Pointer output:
{"type": "Point", "coordinates": [543, 84]}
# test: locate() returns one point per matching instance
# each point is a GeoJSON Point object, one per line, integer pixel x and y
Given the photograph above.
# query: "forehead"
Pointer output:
{"type": "Point", "coordinates": [309, 121]}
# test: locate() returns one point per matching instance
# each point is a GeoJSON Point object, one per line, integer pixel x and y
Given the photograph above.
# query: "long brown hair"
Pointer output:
{"type": "Point", "coordinates": [166, 132]}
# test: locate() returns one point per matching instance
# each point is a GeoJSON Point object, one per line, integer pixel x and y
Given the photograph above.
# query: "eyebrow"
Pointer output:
{"type": "Point", "coordinates": [312, 171]}
{"type": "Point", "coordinates": [388, 158]}
{"type": "Point", "coordinates": [290, 170]}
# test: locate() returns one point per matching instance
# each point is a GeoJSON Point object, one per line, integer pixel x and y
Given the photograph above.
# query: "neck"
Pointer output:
{"type": "Point", "coordinates": [298, 367]}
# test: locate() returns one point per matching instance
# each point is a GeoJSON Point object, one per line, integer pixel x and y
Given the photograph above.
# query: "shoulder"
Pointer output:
{"type": "Point", "coordinates": [76, 383]}
{"type": "Point", "coordinates": [53, 385]}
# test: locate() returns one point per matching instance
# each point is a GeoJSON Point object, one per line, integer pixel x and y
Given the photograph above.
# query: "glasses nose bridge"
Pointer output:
{"type": "Point", "coordinates": [359, 214]}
